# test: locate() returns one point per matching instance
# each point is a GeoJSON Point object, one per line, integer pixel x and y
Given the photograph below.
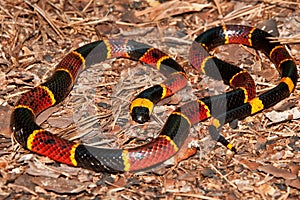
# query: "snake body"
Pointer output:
{"type": "Point", "coordinates": [238, 103]}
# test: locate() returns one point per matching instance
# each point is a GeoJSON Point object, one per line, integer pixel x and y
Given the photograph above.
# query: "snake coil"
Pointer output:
{"type": "Point", "coordinates": [238, 103]}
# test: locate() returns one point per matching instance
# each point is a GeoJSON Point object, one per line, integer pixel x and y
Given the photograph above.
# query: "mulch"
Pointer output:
{"type": "Point", "coordinates": [35, 35]}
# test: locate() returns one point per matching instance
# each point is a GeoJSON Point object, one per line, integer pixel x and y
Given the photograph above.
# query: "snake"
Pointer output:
{"type": "Point", "coordinates": [238, 103]}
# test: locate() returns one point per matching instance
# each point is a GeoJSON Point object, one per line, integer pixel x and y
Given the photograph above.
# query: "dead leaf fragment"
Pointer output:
{"type": "Point", "coordinates": [266, 189]}
{"type": "Point", "coordinates": [4, 125]}
{"type": "Point", "coordinates": [293, 183]}
{"type": "Point", "coordinates": [270, 169]}
{"type": "Point", "coordinates": [252, 165]}
{"type": "Point", "coordinates": [59, 185]}
{"type": "Point", "coordinates": [277, 117]}
{"type": "Point", "coordinates": [171, 8]}
{"type": "Point", "coordinates": [243, 185]}
{"type": "Point", "coordinates": [3, 163]}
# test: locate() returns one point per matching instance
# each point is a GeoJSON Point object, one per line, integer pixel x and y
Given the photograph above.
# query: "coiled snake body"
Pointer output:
{"type": "Point", "coordinates": [239, 103]}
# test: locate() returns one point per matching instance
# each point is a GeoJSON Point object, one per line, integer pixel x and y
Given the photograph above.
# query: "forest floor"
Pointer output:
{"type": "Point", "coordinates": [36, 35]}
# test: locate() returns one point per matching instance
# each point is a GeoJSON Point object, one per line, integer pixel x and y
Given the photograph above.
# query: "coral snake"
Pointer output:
{"type": "Point", "coordinates": [238, 103]}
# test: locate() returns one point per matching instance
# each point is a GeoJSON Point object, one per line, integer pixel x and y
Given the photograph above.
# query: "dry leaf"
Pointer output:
{"type": "Point", "coordinates": [277, 117]}
{"type": "Point", "coordinates": [270, 169]}
{"type": "Point", "coordinates": [59, 185]}
{"type": "Point", "coordinates": [266, 189]}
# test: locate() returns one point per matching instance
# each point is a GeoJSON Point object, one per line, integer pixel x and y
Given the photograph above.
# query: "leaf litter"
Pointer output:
{"type": "Point", "coordinates": [37, 34]}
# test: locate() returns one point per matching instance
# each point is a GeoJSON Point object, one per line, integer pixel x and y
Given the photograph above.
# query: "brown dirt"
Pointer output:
{"type": "Point", "coordinates": [35, 35]}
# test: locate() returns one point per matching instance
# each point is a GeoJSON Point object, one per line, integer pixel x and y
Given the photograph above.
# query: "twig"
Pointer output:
{"type": "Point", "coordinates": [199, 196]}
{"type": "Point", "coordinates": [233, 185]}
